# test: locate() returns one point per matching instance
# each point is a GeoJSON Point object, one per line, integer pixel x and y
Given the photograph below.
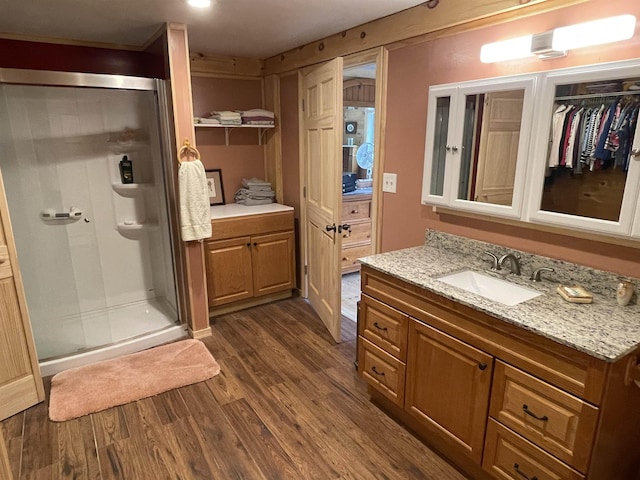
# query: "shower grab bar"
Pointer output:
{"type": "Point", "coordinates": [51, 215]}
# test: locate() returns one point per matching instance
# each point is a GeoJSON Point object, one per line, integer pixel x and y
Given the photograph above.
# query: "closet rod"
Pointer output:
{"type": "Point", "coordinates": [596, 95]}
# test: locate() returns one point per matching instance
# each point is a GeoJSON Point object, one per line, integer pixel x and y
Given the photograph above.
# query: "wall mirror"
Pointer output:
{"type": "Point", "coordinates": [476, 146]}
{"type": "Point", "coordinates": [586, 175]}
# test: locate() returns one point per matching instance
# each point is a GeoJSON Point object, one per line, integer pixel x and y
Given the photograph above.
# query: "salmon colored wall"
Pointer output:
{"type": "Point", "coordinates": [243, 157]}
{"type": "Point", "coordinates": [413, 69]}
{"type": "Point", "coordinates": [291, 154]}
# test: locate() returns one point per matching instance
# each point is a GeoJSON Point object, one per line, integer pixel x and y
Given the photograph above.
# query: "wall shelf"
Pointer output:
{"type": "Point", "coordinates": [227, 129]}
{"type": "Point", "coordinates": [129, 189]}
{"type": "Point", "coordinates": [136, 227]}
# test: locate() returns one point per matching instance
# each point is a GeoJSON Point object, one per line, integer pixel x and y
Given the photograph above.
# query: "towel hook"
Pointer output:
{"type": "Point", "coordinates": [188, 150]}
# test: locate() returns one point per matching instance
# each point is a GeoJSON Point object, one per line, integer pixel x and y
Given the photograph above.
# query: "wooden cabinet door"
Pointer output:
{"type": "Point", "coordinates": [229, 276]}
{"type": "Point", "coordinates": [273, 263]}
{"type": "Point", "coordinates": [20, 380]}
{"type": "Point", "coordinates": [448, 386]}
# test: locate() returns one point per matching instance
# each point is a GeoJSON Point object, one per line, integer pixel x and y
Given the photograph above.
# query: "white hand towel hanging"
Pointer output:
{"type": "Point", "coordinates": [195, 213]}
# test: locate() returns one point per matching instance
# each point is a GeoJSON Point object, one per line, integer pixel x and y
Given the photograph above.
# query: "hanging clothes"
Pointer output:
{"type": "Point", "coordinates": [596, 133]}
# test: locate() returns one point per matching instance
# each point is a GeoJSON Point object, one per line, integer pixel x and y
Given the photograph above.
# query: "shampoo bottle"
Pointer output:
{"type": "Point", "coordinates": [126, 170]}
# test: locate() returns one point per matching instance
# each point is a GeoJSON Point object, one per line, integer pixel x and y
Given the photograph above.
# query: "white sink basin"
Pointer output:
{"type": "Point", "coordinates": [489, 287]}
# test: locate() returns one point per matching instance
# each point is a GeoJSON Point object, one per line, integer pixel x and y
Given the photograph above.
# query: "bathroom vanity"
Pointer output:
{"type": "Point", "coordinates": [541, 389]}
{"type": "Point", "coordinates": [249, 256]}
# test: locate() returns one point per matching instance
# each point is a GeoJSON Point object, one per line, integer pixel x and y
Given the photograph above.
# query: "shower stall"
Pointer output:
{"type": "Point", "coordinates": [82, 161]}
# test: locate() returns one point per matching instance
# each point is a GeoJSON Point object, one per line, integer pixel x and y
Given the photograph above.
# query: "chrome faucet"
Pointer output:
{"type": "Point", "coordinates": [494, 261]}
{"type": "Point", "coordinates": [514, 263]}
{"type": "Point", "coordinates": [535, 276]}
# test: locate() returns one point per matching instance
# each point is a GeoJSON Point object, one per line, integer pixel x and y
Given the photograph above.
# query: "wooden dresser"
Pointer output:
{"type": "Point", "coordinates": [500, 401]}
{"type": "Point", "coordinates": [250, 256]}
{"type": "Point", "coordinates": [356, 243]}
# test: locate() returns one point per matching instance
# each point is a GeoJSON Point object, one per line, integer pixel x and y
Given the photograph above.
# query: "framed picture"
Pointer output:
{"type": "Point", "coordinates": [350, 127]}
{"type": "Point", "coordinates": [214, 180]}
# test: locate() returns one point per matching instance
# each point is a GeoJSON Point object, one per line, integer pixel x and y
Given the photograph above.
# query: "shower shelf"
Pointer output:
{"type": "Point", "coordinates": [126, 147]}
{"type": "Point", "coordinates": [130, 189]}
{"type": "Point", "coordinates": [136, 227]}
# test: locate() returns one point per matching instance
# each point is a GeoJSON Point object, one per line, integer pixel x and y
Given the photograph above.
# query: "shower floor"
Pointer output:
{"type": "Point", "coordinates": [78, 333]}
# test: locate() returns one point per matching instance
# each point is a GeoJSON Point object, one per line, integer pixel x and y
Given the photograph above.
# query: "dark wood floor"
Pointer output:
{"type": "Point", "coordinates": [286, 405]}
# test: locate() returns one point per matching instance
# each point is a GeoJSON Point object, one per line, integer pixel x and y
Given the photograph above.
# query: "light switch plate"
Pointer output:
{"type": "Point", "coordinates": [389, 181]}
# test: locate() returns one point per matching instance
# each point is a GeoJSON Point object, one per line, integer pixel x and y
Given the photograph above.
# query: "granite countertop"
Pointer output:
{"type": "Point", "coordinates": [238, 210]}
{"type": "Point", "coordinates": [602, 329]}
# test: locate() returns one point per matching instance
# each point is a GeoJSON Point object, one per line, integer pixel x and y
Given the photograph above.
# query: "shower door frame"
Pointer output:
{"type": "Point", "coordinates": [49, 78]}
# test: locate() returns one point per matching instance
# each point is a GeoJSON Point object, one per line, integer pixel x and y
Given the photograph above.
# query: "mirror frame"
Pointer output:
{"type": "Point", "coordinates": [458, 91]}
{"type": "Point", "coordinates": [539, 151]}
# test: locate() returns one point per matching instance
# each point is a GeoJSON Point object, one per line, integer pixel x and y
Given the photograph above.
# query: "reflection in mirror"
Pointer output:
{"type": "Point", "coordinates": [491, 134]}
{"type": "Point", "coordinates": [443, 106]}
{"type": "Point", "coordinates": [590, 141]}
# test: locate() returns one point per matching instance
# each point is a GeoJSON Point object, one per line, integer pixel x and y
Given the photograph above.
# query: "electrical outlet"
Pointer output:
{"type": "Point", "coordinates": [389, 181]}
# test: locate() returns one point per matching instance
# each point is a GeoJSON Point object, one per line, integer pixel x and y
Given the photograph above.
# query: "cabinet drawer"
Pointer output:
{"type": "Point", "coordinates": [360, 233]}
{"type": "Point", "coordinates": [382, 371]}
{"type": "Point", "coordinates": [551, 418]}
{"type": "Point", "coordinates": [232, 227]}
{"type": "Point", "coordinates": [384, 326]}
{"type": "Point", "coordinates": [356, 210]}
{"type": "Point", "coordinates": [350, 255]}
{"type": "Point", "coordinates": [508, 456]}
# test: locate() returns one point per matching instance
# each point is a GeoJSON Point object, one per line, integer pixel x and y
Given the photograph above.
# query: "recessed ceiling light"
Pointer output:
{"type": "Point", "coordinates": [199, 3]}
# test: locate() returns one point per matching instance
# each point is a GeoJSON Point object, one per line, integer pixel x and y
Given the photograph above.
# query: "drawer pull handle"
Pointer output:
{"type": "Point", "coordinates": [377, 325]}
{"type": "Point", "coordinates": [249, 244]}
{"type": "Point", "coordinates": [516, 467]}
{"type": "Point", "coordinates": [482, 366]}
{"type": "Point", "coordinates": [354, 211]}
{"type": "Point", "coordinates": [375, 370]}
{"type": "Point", "coordinates": [530, 413]}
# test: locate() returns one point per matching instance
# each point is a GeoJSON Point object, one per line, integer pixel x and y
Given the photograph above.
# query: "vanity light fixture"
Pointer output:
{"type": "Point", "coordinates": [556, 42]}
{"type": "Point", "coordinates": [199, 3]}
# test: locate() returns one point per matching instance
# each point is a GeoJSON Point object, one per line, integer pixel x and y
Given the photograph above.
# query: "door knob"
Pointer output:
{"type": "Point", "coordinates": [331, 227]}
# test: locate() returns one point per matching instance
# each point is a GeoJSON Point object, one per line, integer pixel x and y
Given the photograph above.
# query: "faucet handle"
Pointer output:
{"type": "Point", "coordinates": [535, 276]}
{"type": "Point", "coordinates": [494, 260]}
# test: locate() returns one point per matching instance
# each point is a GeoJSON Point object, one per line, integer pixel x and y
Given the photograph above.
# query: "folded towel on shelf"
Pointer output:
{"type": "Point", "coordinates": [257, 116]}
{"type": "Point", "coordinates": [195, 213]}
{"type": "Point", "coordinates": [207, 121]}
{"type": "Point", "coordinates": [256, 184]}
{"type": "Point", "coordinates": [226, 117]}
{"type": "Point", "coordinates": [257, 122]}
{"type": "Point", "coordinates": [258, 112]}
{"type": "Point", "coordinates": [246, 193]}
{"type": "Point", "coordinates": [255, 192]}
{"type": "Point", "coordinates": [252, 201]}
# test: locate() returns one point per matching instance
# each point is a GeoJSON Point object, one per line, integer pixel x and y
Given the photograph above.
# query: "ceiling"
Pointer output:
{"type": "Point", "coordinates": [244, 28]}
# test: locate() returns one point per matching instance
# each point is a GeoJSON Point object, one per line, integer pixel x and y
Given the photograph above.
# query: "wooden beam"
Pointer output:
{"type": "Point", "coordinates": [413, 22]}
{"type": "Point", "coordinates": [220, 65]}
{"type": "Point", "coordinates": [273, 150]}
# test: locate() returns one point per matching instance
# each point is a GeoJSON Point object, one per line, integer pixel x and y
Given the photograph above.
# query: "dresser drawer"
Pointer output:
{"type": "Point", "coordinates": [360, 233]}
{"type": "Point", "coordinates": [350, 255]}
{"type": "Point", "coordinates": [551, 418]}
{"type": "Point", "coordinates": [384, 326]}
{"type": "Point", "coordinates": [382, 371]}
{"type": "Point", "coordinates": [508, 456]}
{"type": "Point", "coordinates": [356, 210]}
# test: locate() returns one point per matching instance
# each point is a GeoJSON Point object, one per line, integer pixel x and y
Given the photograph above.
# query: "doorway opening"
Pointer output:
{"type": "Point", "coordinates": [358, 146]}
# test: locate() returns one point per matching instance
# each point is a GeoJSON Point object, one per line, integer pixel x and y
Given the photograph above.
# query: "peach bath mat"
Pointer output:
{"type": "Point", "coordinates": [91, 388]}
